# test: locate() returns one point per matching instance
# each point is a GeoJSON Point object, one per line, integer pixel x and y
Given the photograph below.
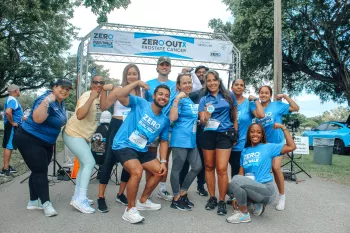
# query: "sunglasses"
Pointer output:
{"type": "Point", "coordinates": [98, 82]}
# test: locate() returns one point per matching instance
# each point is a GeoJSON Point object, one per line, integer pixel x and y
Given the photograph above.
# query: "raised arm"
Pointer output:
{"type": "Point", "coordinates": [123, 93]}
{"type": "Point", "coordinates": [290, 144]}
{"type": "Point", "coordinates": [83, 110]}
{"type": "Point", "coordinates": [259, 111]}
{"type": "Point", "coordinates": [41, 112]}
{"type": "Point", "coordinates": [107, 100]}
{"type": "Point", "coordinates": [174, 112]}
{"type": "Point", "coordinates": [293, 107]}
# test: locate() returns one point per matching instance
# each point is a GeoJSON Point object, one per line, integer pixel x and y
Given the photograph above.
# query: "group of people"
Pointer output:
{"type": "Point", "coordinates": [204, 125]}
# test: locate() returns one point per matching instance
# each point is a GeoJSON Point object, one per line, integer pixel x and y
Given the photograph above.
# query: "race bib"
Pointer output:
{"type": "Point", "coordinates": [212, 124]}
{"type": "Point", "coordinates": [125, 114]}
{"type": "Point", "coordinates": [138, 139]}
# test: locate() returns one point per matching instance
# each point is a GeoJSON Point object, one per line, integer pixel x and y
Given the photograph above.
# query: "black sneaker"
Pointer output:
{"type": "Point", "coordinates": [222, 208]}
{"type": "Point", "coordinates": [201, 191]}
{"type": "Point", "coordinates": [185, 199]}
{"type": "Point", "coordinates": [101, 205]}
{"type": "Point", "coordinates": [5, 172]}
{"type": "Point", "coordinates": [211, 204]}
{"type": "Point", "coordinates": [180, 205]}
{"type": "Point", "coordinates": [12, 170]}
{"type": "Point", "coordinates": [122, 199]}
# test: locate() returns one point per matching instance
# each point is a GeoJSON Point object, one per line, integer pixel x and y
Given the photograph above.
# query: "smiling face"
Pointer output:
{"type": "Point", "coordinates": [97, 83]}
{"type": "Point", "coordinates": [212, 83]}
{"type": "Point", "coordinates": [61, 93]}
{"type": "Point", "coordinates": [200, 74]}
{"type": "Point", "coordinates": [132, 75]}
{"type": "Point", "coordinates": [161, 97]}
{"type": "Point", "coordinates": [256, 134]}
{"type": "Point", "coordinates": [164, 68]}
{"type": "Point", "coordinates": [185, 84]}
{"type": "Point", "coordinates": [238, 87]}
{"type": "Point", "coordinates": [265, 94]}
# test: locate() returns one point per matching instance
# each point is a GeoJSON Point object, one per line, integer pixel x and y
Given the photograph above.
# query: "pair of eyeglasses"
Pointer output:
{"type": "Point", "coordinates": [98, 82]}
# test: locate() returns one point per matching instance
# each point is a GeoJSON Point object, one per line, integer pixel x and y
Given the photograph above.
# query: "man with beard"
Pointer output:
{"type": "Point", "coordinates": [195, 96]}
{"type": "Point", "coordinates": [144, 123]}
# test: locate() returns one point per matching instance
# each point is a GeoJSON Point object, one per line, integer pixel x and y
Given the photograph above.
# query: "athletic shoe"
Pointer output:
{"type": "Point", "coordinates": [251, 207]}
{"type": "Point", "coordinates": [180, 205]}
{"type": "Point", "coordinates": [222, 208]}
{"type": "Point", "coordinates": [132, 215]}
{"type": "Point", "coordinates": [281, 204]}
{"type": "Point", "coordinates": [258, 209]}
{"type": "Point", "coordinates": [165, 195]}
{"type": "Point", "coordinates": [12, 170]}
{"type": "Point", "coordinates": [91, 202]}
{"type": "Point", "coordinates": [122, 199]}
{"type": "Point", "coordinates": [211, 204]}
{"type": "Point", "coordinates": [148, 205]}
{"type": "Point", "coordinates": [34, 205]}
{"type": "Point", "coordinates": [5, 172]}
{"type": "Point", "coordinates": [185, 199]}
{"type": "Point", "coordinates": [229, 201]}
{"type": "Point", "coordinates": [101, 205]}
{"type": "Point", "coordinates": [83, 206]}
{"type": "Point", "coordinates": [238, 217]}
{"type": "Point", "coordinates": [201, 191]}
{"type": "Point", "coordinates": [49, 210]}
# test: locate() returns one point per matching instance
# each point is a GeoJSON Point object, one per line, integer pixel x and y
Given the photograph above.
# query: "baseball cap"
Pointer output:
{"type": "Point", "coordinates": [105, 117]}
{"type": "Point", "coordinates": [200, 67]}
{"type": "Point", "coordinates": [12, 88]}
{"type": "Point", "coordinates": [164, 59]}
{"type": "Point", "coordinates": [63, 83]}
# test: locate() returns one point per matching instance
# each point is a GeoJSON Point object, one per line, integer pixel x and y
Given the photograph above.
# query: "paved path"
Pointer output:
{"type": "Point", "coordinates": [313, 205]}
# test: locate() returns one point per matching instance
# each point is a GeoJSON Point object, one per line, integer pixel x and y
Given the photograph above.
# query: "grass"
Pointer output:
{"type": "Point", "coordinates": [339, 171]}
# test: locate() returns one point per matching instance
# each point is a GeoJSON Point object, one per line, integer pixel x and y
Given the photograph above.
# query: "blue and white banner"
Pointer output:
{"type": "Point", "coordinates": [155, 45]}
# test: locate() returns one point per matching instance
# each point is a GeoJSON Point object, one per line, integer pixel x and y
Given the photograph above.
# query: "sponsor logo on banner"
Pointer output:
{"type": "Point", "coordinates": [215, 54]}
{"type": "Point", "coordinates": [102, 40]}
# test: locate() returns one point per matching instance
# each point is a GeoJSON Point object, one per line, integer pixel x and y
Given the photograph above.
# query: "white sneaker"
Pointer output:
{"type": "Point", "coordinates": [132, 215]}
{"type": "Point", "coordinates": [281, 204]}
{"type": "Point", "coordinates": [83, 206]}
{"type": "Point", "coordinates": [238, 217]}
{"type": "Point", "coordinates": [148, 205]}
{"type": "Point", "coordinates": [34, 205]}
{"type": "Point", "coordinates": [165, 195]}
{"type": "Point", "coordinates": [91, 202]}
{"type": "Point", "coordinates": [49, 210]}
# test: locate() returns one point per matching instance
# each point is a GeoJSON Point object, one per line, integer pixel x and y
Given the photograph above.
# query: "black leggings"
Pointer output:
{"type": "Point", "coordinates": [110, 159]}
{"type": "Point", "coordinates": [37, 155]}
{"type": "Point", "coordinates": [234, 161]}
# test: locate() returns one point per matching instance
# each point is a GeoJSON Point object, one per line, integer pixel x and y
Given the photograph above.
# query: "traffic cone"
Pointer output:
{"type": "Point", "coordinates": [75, 169]}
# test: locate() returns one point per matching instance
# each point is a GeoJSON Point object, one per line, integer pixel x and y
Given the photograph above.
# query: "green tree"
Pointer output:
{"type": "Point", "coordinates": [316, 49]}
{"type": "Point", "coordinates": [34, 35]}
{"type": "Point", "coordinates": [338, 114]}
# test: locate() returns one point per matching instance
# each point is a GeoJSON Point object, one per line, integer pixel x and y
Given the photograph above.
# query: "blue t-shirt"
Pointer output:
{"type": "Point", "coordinates": [49, 130]}
{"type": "Point", "coordinates": [17, 112]}
{"type": "Point", "coordinates": [245, 117]}
{"type": "Point", "coordinates": [155, 83]}
{"type": "Point", "coordinates": [185, 127]}
{"type": "Point", "coordinates": [273, 113]}
{"type": "Point", "coordinates": [258, 160]}
{"type": "Point", "coordinates": [141, 126]}
{"type": "Point", "coordinates": [221, 112]}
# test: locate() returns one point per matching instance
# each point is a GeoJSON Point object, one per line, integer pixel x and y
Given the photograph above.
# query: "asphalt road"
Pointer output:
{"type": "Point", "coordinates": [313, 205]}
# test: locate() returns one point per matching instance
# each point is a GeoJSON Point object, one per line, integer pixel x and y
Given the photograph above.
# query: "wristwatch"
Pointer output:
{"type": "Point", "coordinates": [163, 161]}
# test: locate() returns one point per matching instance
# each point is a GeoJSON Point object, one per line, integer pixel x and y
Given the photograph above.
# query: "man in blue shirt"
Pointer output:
{"type": "Point", "coordinates": [144, 123]}
{"type": "Point", "coordinates": [12, 119]}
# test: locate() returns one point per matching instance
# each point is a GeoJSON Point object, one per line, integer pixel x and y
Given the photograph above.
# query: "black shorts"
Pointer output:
{"type": "Point", "coordinates": [211, 140]}
{"type": "Point", "coordinates": [126, 154]}
{"type": "Point", "coordinates": [9, 133]}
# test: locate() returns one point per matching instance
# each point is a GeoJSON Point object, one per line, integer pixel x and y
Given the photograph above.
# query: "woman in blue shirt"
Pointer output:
{"type": "Point", "coordinates": [184, 114]}
{"type": "Point", "coordinates": [218, 114]}
{"type": "Point", "coordinates": [245, 117]}
{"type": "Point", "coordinates": [273, 113]}
{"type": "Point", "coordinates": [255, 180]}
{"type": "Point", "coordinates": [35, 139]}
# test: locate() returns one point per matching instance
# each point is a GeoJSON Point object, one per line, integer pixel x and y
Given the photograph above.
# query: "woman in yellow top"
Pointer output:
{"type": "Point", "coordinates": [77, 135]}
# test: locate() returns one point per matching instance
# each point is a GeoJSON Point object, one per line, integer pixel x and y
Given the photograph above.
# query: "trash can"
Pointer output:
{"type": "Point", "coordinates": [323, 150]}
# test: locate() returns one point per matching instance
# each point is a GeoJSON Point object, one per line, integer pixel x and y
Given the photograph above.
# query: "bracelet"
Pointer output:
{"type": "Point", "coordinates": [163, 161]}
{"type": "Point", "coordinates": [283, 129]}
{"type": "Point", "coordinates": [175, 106]}
{"type": "Point", "coordinates": [48, 99]}
{"type": "Point", "coordinates": [46, 104]}
{"type": "Point", "coordinates": [256, 99]}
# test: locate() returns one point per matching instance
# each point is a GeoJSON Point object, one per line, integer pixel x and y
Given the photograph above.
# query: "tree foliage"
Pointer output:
{"type": "Point", "coordinates": [34, 35]}
{"type": "Point", "coordinates": [315, 44]}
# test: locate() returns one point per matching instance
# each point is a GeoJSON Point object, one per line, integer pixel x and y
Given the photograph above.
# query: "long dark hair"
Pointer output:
{"type": "Point", "coordinates": [125, 80]}
{"type": "Point", "coordinates": [248, 142]}
{"type": "Point", "coordinates": [224, 92]}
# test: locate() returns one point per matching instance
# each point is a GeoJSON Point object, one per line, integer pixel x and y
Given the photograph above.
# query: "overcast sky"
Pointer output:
{"type": "Point", "coordinates": [181, 14]}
